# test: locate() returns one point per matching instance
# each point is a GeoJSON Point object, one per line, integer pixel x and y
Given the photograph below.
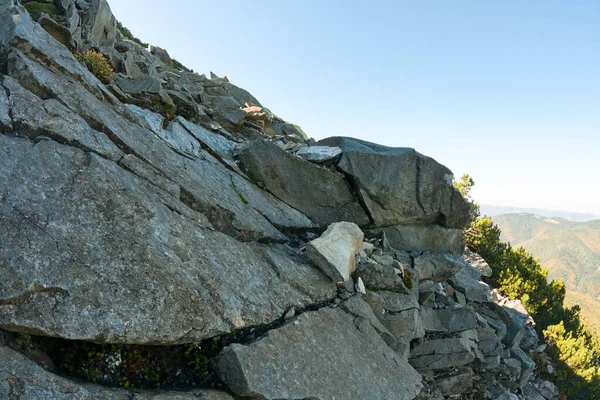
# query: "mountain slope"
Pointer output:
{"type": "Point", "coordinates": [569, 250]}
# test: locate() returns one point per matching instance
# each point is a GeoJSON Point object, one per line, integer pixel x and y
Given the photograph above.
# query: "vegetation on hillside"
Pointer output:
{"type": "Point", "coordinates": [35, 9]}
{"type": "Point", "coordinates": [569, 250]}
{"type": "Point", "coordinates": [574, 349]}
{"type": "Point", "coordinates": [98, 65]}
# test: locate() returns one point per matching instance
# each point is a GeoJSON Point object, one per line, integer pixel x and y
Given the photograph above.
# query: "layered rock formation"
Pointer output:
{"type": "Point", "coordinates": [167, 208]}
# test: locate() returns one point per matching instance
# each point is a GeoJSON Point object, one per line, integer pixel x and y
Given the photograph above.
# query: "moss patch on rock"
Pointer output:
{"type": "Point", "coordinates": [36, 9]}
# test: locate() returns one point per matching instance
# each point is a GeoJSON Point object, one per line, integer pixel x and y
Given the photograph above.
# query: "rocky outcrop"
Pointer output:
{"type": "Point", "coordinates": [322, 195]}
{"type": "Point", "coordinates": [401, 186]}
{"type": "Point", "coordinates": [299, 369]}
{"type": "Point", "coordinates": [172, 213]}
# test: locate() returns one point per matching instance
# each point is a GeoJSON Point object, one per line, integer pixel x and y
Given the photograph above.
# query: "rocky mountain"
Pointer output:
{"type": "Point", "coordinates": [493, 211]}
{"type": "Point", "coordinates": [569, 250]}
{"type": "Point", "coordinates": [165, 236]}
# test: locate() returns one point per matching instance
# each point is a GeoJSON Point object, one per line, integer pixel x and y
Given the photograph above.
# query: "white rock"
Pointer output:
{"type": "Point", "coordinates": [360, 286]}
{"type": "Point", "coordinates": [334, 252]}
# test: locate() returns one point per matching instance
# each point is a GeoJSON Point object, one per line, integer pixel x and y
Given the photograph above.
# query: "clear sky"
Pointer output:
{"type": "Point", "coordinates": [507, 91]}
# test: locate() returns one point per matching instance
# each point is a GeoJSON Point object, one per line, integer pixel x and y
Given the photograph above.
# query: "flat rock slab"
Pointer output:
{"type": "Point", "coordinates": [22, 379]}
{"type": "Point", "coordinates": [448, 320]}
{"type": "Point", "coordinates": [321, 355]}
{"type": "Point", "coordinates": [438, 267]}
{"type": "Point", "coordinates": [92, 252]}
{"type": "Point", "coordinates": [423, 238]}
{"type": "Point", "coordinates": [320, 194]}
{"type": "Point", "coordinates": [319, 154]}
{"type": "Point", "coordinates": [443, 353]}
{"type": "Point", "coordinates": [401, 186]}
{"type": "Point", "coordinates": [334, 252]}
{"type": "Point", "coordinates": [206, 184]}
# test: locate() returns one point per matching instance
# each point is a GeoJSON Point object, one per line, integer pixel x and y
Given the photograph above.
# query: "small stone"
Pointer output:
{"type": "Point", "coordinates": [360, 286]}
{"type": "Point", "coordinates": [335, 250]}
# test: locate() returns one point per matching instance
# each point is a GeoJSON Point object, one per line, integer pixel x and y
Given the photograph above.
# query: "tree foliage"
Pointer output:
{"type": "Point", "coordinates": [519, 275]}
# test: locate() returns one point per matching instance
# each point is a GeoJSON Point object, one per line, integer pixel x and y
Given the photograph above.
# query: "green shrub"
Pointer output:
{"type": "Point", "coordinates": [98, 65]}
{"type": "Point", "coordinates": [36, 9]}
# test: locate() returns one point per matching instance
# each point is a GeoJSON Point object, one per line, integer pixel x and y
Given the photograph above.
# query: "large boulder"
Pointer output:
{"type": "Point", "coordinates": [99, 25]}
{"type": "Point", "coordinates": [423, 238]}
{"type": "Point", "coordinates": [325, 355]}
{"type": "Point", "coordinates": [92, 252]}
{"type": "Point", "coordinates": [401, 186]}
{"type": "Point", "coordinates": [322, 195]}
{"type": "Point", "coordinates": [207, 186]}
{"type": "Point", "coordinates": [335, 251]}
{"type": "Point", "coordinates": [443, 353]}
{"type": "Point", "coordinates": [438, 267]}
{"type": "Point", "coordinates": [448, 320]}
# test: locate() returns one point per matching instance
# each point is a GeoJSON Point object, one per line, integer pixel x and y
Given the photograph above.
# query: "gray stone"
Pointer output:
{"type": "Point", "coordinates": [455, 382]}
{"type": "Point", "coordinates": [319, 154]}
{"type": "Point", "coordinates": [473, 289]}
{"type": "Point", "coordinates": [58, 31]}
{"type": "Point", "coordinates": [99, 25]}
{"type": "Point", "coordinates": [531, 393]}
{"type": "Point", "coordinates": [206, 185]}
{"type": "Point", "coordinates": [145, 89]}
{"type": "Point", "coordinates": [217, 145]}
{"type": "Point", "coordinates": [520, 326]}
{"type": "Point", "coordinates": [381, 277]}
{"type": "Point", "coordinates": [33, 117]}
{"type": "Point", "coordinates": [21, 378]}
{"type": "Point", "coordinates": [334, 252]}
{"type": "Point", "coordinates": [5, 119]}
{"type": "Point", "coordinates": [513, 368]}
{"type": "Point", "coordinates": [310, 356]}
{"type": "Point", "coordinates": [507, 396]}
{"type": "Point", "coordinates": [442, 353]}
{"type": "Point", "coordinates": [399, 313]}
{"type": "Point", "coordinates": [91, 252]}
{"type": "Point", "coordinates": [527, 365]}
{"type": "Point", "coordinates": [490, 346]}
{"type": "Point", "coordinates": [162, 54]}
{"type": "Point", "coordinates": [401, 186]}
{"type": "Point", "coordinates": [423, 238]}
{"type": "Point", "coordinates": [438, 267]}
{"type": "Point", "coordinates": [150, 174]}
{"type": "Point", "coordinates": [320, 194]}
{"type": "Point", "coordinates": [477, 262]}
{"type": "Point", "coordinates": [448, 320]}
{"type": "Point", "coordinates": [384, 259]}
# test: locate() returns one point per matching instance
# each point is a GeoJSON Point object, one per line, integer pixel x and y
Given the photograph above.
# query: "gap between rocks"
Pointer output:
{"type": "Point", "coordinates": [149, 367]}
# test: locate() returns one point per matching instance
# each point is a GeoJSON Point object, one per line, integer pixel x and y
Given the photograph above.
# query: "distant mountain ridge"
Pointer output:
{"type": "Point", "coordinates": [569, 250]}
{"type": "Point", "coordinates": [492, 211]}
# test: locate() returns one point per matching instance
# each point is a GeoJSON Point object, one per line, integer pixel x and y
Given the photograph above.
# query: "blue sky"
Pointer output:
{"type": "Point", "coordinates": [507, 91]}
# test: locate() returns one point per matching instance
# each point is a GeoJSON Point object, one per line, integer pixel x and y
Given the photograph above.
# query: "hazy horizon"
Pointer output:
{"type": "Point", "coordinates": [505, 91]}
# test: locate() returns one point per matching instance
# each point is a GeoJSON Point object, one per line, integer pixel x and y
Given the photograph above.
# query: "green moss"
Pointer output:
{"type": "Point", "coordinates": [408, 280]}
{"type": "Point", "coordinates": [167, 110]}
{"type": "Point", "coordinates": [36, 9]}
{"type": "Point", "coordinates": [242, 198]}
